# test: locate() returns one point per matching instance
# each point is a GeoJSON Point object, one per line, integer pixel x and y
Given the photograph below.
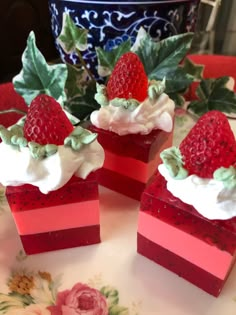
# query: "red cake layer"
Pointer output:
{"type": "Point", "coordinates": [141, 147]}
{"type": "Point", "coordinates": [120, 183]}
{"type": "Point", "coordinates": [28, 197]}
{"type": "Point", "coordinates": [183, 268]}
{"type": "Point", "coordinates": [160, 203]}
{"type": "Point", "coordinates": [44, 242]}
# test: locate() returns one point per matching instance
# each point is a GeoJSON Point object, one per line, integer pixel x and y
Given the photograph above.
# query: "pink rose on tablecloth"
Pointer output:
{"type": "Point", "coordinates": [80, 300]}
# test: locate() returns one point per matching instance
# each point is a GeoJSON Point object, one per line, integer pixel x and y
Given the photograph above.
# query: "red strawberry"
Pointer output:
{"type": "Point", "coordinates": [128, 79]}
{"type": "Point", "coordinates": [46, 123]}
{"type": "Point", "coordinates": [209, 145]}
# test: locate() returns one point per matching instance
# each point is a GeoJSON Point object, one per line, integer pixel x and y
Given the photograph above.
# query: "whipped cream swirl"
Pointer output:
{"type": "Point", "coordinates": [146, 117]}
{"type": "Point", "coordinates": [208, 196]}
{"type": "Point", "coordinates": [18, 167]}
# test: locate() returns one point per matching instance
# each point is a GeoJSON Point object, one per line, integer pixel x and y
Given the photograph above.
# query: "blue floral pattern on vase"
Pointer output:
{"type": "Point", "coordinates": [113, 22]}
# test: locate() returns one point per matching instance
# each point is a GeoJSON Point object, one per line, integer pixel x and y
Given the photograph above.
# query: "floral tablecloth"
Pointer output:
{"type": "Point", "coordinates": [87, 280]}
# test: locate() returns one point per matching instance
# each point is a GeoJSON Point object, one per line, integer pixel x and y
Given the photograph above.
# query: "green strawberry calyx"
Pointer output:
{"type": "Point", "coordinates": [14, 136]}
{"type": "Point", "coordinates": [129, 104]}
{"type": "Point", "coordinates": [173, 161]}
{"type": "Point", "coordinates": [101, 95]}
{"type": "Point", "coordinates": [155, 89]}
{"type": "Point", "coordinates": [227, 176]}
{"type": "Point", "coordinates": [79, 137]}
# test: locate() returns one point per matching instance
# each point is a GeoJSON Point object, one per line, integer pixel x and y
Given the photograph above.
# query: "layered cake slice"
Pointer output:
{"type": "Point", "coordinates": [64, 218]}
{"type": "Point", "coordinates": [187, 219]}
{"type": "Point", "coordinates": [134, 124]}
{"type": "Point", "coordinates": [48, 167]}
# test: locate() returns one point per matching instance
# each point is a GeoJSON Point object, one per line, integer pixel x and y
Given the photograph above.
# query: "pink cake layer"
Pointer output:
{"type": "Point", "coordinates": [182, 267]}
{"type": "Point", "coordinates": [70, 215]}
{"type": "Point", "coordinates": [44, 242]}
{"type": "Point", "coordinates": [198, 252]}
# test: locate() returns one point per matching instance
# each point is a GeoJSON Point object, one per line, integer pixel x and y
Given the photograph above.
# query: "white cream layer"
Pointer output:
{"type": "Point", "coordinates": [143, 119]}
{"type": "Point", "coordinates": [18, 167]}
{"type": "Point", "coordinates": [208, 196]}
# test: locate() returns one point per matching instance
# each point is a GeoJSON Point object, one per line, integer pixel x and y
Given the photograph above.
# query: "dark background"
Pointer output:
{"type": "Point", "coordinates": [19, 17]}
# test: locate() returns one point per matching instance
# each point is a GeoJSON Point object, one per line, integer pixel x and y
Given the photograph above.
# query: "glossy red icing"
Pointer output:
{"type": "Point", "coordinates": [28, 197]}
{"type": "Point", "coordinates": [141, 147]}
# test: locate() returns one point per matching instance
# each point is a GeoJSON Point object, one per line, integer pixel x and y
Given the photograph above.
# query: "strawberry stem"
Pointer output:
{"type": "Point", "coordinates": [85, 66]}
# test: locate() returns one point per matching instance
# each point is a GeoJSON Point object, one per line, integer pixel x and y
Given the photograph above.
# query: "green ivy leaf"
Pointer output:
{"type": "Point", "coordinates": [213, 94]}
{"type": "Point", "coordinates": [193, 69]}
{"type": "Point", "coordinates": [177, 98]}
{"type": "Point", "coordinates": [108, 59]}
{"type": "Point", "coordinates": [37, 77]}
{"type": "Point", "coordinates": [83, 105]}
{"type": "Point", "coordinates": [72, 38]}
{"type": "Point", "coordinates": [74, 83]}
{"type": "Point", "coordinates": [177, 80]}
{"type": "Point", "coordinates": [163, 54]}
{"type": "Point", "coordinates": [161, 59]}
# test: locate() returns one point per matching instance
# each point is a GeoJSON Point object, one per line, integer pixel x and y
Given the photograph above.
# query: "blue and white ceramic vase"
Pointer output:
{"type": "Point", "coordinates": [112, 22]}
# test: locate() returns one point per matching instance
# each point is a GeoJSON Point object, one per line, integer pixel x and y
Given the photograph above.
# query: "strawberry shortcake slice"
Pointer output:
{"type": "Point", "coordinates": [187, 219]}
{"type": "Point", "coordinates": [48, 167]}
{"type": "Point", "coordinates": [134, 123]}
